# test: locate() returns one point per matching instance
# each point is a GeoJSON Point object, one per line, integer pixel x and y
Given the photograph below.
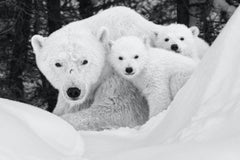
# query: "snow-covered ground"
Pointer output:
{"type": "Point", "coordinates": [29, 133]}
{"type": "Point", "coordinates": [202, 123]}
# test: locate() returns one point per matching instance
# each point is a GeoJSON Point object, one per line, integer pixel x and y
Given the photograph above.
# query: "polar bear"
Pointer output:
{"type": "Point", "coordinates": [73, 58]}
{"type": "Point", "coordinates": [181, 39]}
{"type": "Point", "coordinates": [151, 70]}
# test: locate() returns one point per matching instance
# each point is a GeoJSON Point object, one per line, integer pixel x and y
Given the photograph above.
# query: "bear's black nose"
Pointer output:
{"type": "Point", "coordinates": [129, 70]}
{"type": "Point", "coordinates": [73, 92]}
{"type": "Point", "coordinates": [174, 47]}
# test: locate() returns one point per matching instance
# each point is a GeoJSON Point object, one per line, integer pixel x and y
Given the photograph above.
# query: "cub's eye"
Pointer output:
{"type": "Point", "coordinates": [182, 38]}
{"type": "Point", "coordinates": [58, 64]}
{"type": "Point", "coordinates": [120, 58]}
{"type": "Point", "coordinates": [166, 39]}
{"type": "Point", "coordinates": [136, 57]}
{"type": "Point", "coordinates": [84, 62]}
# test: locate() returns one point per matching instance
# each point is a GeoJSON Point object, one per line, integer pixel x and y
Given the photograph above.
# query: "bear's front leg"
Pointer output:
{"type": "Point", "coordinates": [178, 80]}
{"type": "Point", "coordinates": [159, 99]}
{"type": "Point", "coordinates": [117, 103]}
{"type": "Point", "coordinates": [96, 118]}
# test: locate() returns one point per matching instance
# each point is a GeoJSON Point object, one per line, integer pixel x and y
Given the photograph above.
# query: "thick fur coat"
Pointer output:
{"type": "Point", "coordinates": [73, 59]}
{"type": "Point", "coordinates": [157, 73]}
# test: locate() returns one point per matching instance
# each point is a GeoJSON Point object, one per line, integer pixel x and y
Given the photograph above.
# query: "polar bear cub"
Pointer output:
{"type": "Point", "coordinates": [157, 73]}
{"type": "Point", "coordinates": [181, 39]}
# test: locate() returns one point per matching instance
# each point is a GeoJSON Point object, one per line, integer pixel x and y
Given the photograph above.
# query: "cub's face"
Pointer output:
{"type": "Point", "coordinates": [71, 62]}
{"type": "Point", "coordinates": [128, 56]}
{"type": "Point", "coordinates": [177, 38]}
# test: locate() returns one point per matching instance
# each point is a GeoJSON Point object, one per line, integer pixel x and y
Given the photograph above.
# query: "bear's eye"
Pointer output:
{"type": "Point", "coordinates": [166, 39]}
{"type": "Point", "coordinates": [84, 62]}
{"type": "Point", "coordinates": [120, 58]}
{"type": "Point", "coordinates": [58, 64]}
{"type": "Point", "coordinates": [182, 38]}
{"type": "Point", "coordinates": [136, 57]}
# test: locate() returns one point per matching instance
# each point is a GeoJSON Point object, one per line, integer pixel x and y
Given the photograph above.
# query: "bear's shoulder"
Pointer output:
{"type": "Point", "coordinates": [171, 61]}
{"type": "Point", "coordinates": [117, 93]}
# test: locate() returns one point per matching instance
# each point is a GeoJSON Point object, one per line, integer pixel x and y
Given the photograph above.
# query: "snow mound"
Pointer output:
{"type": "Point", "coordinates": [27, 132]}
{"type": "Point", "coordinates": [202, 121]}
{"type": "Point", "coordinates": [200, 124]}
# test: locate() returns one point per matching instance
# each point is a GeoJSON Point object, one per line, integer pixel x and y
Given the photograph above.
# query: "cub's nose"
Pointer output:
{"type": "Point", "coordinates": [129, 70]}
{"type": "Point", "coordinates": [174, 47]}
{"type": "Point", "coordinates": [73, 92]}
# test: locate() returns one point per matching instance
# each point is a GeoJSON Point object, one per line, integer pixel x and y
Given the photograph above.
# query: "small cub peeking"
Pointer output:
{"type": "Point", "coordinates": [181, 40]}
{"type": "Point", "coordinates": [157, 73]}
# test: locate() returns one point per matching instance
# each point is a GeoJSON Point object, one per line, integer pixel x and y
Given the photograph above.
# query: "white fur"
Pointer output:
{"type": "Point", "coordinates": [191, 46]}
{"type": "Point", "coordinates": [84, 40]}
{"type": "Point", "coordinates": [157, 73]}
{"type": "Point", "coordinates": [73, 43]}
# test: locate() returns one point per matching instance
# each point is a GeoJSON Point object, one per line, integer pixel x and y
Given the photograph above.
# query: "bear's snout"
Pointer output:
{"type": "Point", "coordinates": [129, 70]}
{"type": "Point", "coordinates": [174, 47]}
{"type": "Point", "coordinates": [73, 92]}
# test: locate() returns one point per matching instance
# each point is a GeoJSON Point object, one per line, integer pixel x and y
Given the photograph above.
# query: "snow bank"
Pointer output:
{"type": "Point", "coordinates": [29, 133]}
{"type": "Point", "coordinates": [202, 121]}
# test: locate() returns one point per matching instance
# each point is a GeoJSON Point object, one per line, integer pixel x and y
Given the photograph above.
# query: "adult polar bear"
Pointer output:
{"type": "Point", "coordinates": [91, 96]}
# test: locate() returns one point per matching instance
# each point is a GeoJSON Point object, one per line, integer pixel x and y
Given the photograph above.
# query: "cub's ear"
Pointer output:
{"type": "Point", "coordinates": [153, 38]}
{"type": "Point", "coordinates": [154, 34]}
{"type": "Point", "coordinates": [147, 42]}
{"type": "Point", "coordinates": [195, 31]}
{"type": "Point", "coordinates": [110, 44]}
{"type": "Point", "coordinates": [103, 34]}
{"type": "Point", "coordinates": [37, 43]}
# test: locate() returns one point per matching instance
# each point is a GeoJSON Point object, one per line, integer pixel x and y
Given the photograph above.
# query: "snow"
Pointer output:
{"type": "Point", "coordinates": [202, 121]}
{"type": "Point", "coordinates": [29, 133]}
{"type": "Point", "coordinates": [200, 124]}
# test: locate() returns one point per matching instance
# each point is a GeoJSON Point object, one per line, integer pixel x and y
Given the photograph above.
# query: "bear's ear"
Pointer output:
{"type": "Point", "coordinates": [103, 34]}
{"type": "Point", "coordinates": [37, 43]}
{"type": "Point", "coordinates": [147, 42]}
{"type": "Point", "coordinates": [153, 37]}
{"type": "Point", "coordinates": [110, 44]}
{"type": "Point", "coordinates": [155, 34]}
{"type": "Point", "coordinates": [195, 31]}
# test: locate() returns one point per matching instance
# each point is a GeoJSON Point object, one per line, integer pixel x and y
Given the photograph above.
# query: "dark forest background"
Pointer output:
{"type": "Point", "coordinates": [20, 78]}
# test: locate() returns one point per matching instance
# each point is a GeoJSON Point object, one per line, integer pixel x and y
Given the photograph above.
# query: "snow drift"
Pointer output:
{"type": "Point", "coordinates": [200, 124]}
{"type": "Point", "coordinates": [29, 133]}
{"type": "Point", "coordinates": [202, 121]}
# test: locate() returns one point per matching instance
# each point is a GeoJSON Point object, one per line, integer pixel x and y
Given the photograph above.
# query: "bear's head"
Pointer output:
{"type": "Point", "coordinates": [177, 38]}
{"type": "Point", "coordinates": [72, 61]}
{"type": "Point", "coordinates": [128, 55]}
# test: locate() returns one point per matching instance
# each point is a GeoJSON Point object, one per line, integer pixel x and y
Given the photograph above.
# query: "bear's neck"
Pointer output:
{"type": "Point", "coordinates": [105, 74]}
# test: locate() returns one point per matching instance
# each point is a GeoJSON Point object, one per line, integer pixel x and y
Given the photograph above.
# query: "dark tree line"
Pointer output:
{"type": "Point", "coordinates": [20, 79]}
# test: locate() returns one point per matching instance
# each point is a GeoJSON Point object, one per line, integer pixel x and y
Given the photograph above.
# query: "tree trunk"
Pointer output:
{"type": "Point", "coordinates": [85, 8]}
{"type": "Point", "coordinates": [19, 54]}
{"type": "Point", "coordinates": [182, 12]}
{"type": "Point", "coordinates": [54, 16]}
{"type": "Point", "coordinates": [194, 11]}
